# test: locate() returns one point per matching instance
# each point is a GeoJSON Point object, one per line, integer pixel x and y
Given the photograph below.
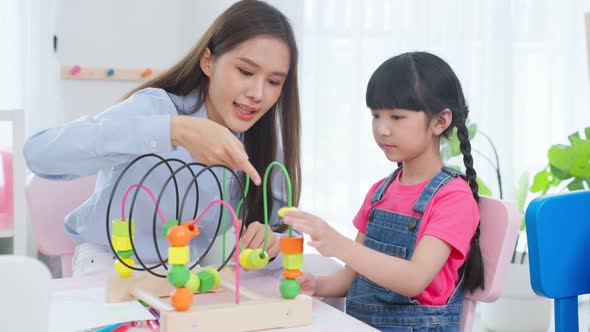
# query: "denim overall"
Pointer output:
{"type": "Point", "coordinates": [395, 234]}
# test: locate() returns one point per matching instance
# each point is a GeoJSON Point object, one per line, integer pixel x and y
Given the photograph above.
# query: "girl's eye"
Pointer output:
{"type": "Point", "coordinates": [375, 116]}
{"type": "Point", "coordinates": [275, 83]}
{"type": "Point", "coordinates": [245, 72]}
{"type": "Point", "coordinates": [396, 117]}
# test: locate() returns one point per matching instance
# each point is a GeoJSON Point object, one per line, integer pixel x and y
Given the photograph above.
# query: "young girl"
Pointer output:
{"type": "Point", "coordinates": [417, 246]}
{"type": "Point", "coordinates": [232, 100]}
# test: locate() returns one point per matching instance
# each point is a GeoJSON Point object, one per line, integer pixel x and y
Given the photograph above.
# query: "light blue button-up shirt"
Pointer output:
{"type": "Point", "coordinates": [106, 143]}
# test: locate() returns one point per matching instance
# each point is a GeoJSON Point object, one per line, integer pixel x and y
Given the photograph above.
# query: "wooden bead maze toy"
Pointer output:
{"type": "Point", "coordinates": [186, 284]}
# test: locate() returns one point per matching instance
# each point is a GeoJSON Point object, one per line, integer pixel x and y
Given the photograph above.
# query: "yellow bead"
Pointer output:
{"type": "Point", "coordinates": [293, 262]}
{"type": "Point", "coordinates": [178, 255]}
{"type": "Point", "coordinates": [244, 261]}
{"type": "Point", "coordinates": [216, 276]}
{"type": "Point", "coordinates": [121, 243]}
{"type": "Point", "coordinates": [285, 209]}
{"type": "Point", "coordinates": [258, 259]}
{"type": "Point", "coordinates": [123, 270]}
{"type": "Point", "coordinates": [121, 227]}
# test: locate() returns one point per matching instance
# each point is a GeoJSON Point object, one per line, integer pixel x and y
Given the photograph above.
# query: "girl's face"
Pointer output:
{"type": "Point", "coordinates": [404, 135]}
{"type": "Point", "coordinates": [245, 82]}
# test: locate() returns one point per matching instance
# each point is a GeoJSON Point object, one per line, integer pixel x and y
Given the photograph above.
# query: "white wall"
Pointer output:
{"type": "Point", "coordinates": [129, 34]}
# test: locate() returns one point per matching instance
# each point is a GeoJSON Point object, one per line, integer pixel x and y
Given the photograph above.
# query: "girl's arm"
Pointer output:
{"type": "Point", "coordinates": [408, 278]}
{"type": "Point", "coordinates": [338, 283]}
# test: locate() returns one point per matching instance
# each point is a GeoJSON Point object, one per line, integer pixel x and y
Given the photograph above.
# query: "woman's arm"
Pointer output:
{"type": "Point", "coordinates": [138, 125]}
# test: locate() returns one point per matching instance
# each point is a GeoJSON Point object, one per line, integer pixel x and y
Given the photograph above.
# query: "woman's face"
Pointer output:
{"type": "Point", "coordinates": [245, 82]}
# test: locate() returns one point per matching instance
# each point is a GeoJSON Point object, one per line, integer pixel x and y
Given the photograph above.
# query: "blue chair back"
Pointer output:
{"type": "Point", "coordinates": [558, 232]}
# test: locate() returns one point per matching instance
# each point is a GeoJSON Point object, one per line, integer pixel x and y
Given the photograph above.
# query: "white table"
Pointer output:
{"type": "Point", "coordinates": [325, 317]}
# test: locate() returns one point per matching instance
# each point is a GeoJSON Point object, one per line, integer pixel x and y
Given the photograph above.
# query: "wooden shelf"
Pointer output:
{"type": "Point", "coordinates": [102, 73]}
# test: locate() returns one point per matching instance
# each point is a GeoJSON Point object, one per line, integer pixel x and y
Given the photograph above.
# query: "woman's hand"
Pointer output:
{"type": "Point", "coordinates": [211, 144]}
{"type": "Point", "coordinates": [308, 283]}
{"type": "Point", "coordinates": [253, 237]}
{"type": "Point", "coordinates": [324, 238]}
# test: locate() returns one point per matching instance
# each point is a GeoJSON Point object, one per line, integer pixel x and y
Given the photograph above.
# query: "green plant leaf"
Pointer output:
{"type": "Point", "coordinates": [576, 184]}
{"type": "Point", "coordinates": [573, 136]}
{"type": "Point", "coordinates": [472, 128]}
{"type": "Point", "coordinates": [581, 150]}
{"type": "Point", "coordinates": [454, 144]}
{"type": "Point", "coordinates": [560, 156]}
{"type": "Point", "coordinates": [542, 181]}
{"type": "Point", "coordinates": [483, 188]}
{"type": "Point", "coordinates": [560, 174]}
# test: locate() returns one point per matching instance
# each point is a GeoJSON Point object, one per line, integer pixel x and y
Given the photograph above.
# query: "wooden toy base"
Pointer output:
{"type": "Point", "coordinates": [255, 312]}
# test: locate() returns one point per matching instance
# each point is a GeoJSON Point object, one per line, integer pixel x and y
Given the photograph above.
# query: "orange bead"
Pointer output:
{"type": "Point", "coordinates": [193, 229]}
{"type": "Point", "coordinates": [292, 274]}
{"type": "Point", "coordinates": [178, 236]}
{"type": "Point", "coordinates": [181, 298]}
{"type": "Point", "coordinates": [292, 245]}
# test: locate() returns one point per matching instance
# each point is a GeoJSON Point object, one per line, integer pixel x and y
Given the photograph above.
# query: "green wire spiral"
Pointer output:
{"type": "Point", "coordinates": [264, 200]}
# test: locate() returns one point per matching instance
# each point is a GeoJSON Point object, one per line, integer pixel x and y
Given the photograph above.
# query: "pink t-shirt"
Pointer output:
{"type": "Point", "coordinates": [451, 216]}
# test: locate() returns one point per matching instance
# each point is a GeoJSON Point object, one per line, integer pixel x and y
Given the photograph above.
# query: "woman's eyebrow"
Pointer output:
{"type": "Point", "coordinates": [255, 65]}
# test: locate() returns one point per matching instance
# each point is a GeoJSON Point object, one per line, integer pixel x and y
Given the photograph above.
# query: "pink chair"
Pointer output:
{"type": "Point", "coordinates": [499, 225]}
{"type": "Point", "coordinates": [49, 203]}
{"type": "Point", "coordinates": [6, 188]}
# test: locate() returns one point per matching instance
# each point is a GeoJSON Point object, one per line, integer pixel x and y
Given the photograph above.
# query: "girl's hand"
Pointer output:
{"type": "Point", "coordinates": [308, 284]}
{"type": "Point", "coordinates": [253, 237]}
{"type": "Point", "coordinates": [211, 144]}
{"type": "Point", "coordinates": [324, 238]}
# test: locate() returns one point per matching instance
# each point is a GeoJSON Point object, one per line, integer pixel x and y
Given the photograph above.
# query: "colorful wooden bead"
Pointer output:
{"type": "Point", "coordinates": [258, 259]}
{"type": "Point", "coordinates": [284, 209]}
{"type": "Point", "coordinates": [291, 244]}
{"type": "Point", "coordinates": [181, 298]}
{"type": "Point", "coordinates": [193, 283]}
{"type": "Point", "coordinates": [128, 253]}
{"type": "Point", "coordinates": [216, 276]}
{"type": "Point", "coordinates": [193, 229]}
{"type": "Point", "coordinates": [123, 270]}
{"type": "Point", "coordinates": [178, 275]}
{"type": "Point", "coordinates": [178, 236]}
{"type": "Point", "coordinates": [121, 227]}
{"type": "Point", "coordinates": [289, 288]}
{"type": "Point", "coordinates": [167, 226]}
{"type": "Point", "coordinates": [244, 260]}
{"type": "Point", "coordinates": [207, 281]}
{"type": "Point", "coordinates": [121, 243]}
{"type": "Point", "coordinates": [292, 274]}
{"type": "Point", "coordinates": [293, 262]}
{"type": "Point", "coordinates": [178, 255]}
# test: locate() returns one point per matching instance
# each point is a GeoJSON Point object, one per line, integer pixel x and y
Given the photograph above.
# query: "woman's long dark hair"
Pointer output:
{"type": "Point", "coordinates": [421, 81]}
{"type": "Point", "coordinates": [240, 22]}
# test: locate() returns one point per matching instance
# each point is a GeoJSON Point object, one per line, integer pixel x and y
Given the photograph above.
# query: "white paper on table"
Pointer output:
{"type": "Point", "coordinates": [85, 308]}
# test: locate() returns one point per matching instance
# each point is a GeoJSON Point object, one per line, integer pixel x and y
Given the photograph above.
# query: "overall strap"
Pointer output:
{"type": "Point", "coordinates": [445, 175]}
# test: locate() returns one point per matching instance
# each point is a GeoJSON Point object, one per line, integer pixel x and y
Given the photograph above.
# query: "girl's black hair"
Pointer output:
{"type": "Point", "coordinates": [420, 81]}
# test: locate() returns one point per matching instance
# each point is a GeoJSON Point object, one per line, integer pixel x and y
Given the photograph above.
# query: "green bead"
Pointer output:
{"type": "Point", "coordinates": [289, 288]}
{"type": "Point", "coordinates": [207, 281]}
{"type": "Point", "coordinates": [178, 275]}
{"type": "Point", "coordinates": [193, 283]}
{"type": "Point", "coordinates": [121, 227]}
{"type": "Point", "coordinates": [128, 253]}
{"type": "Point", "coordinates": [258, 259]}
{"type": "Point", "coordinates": [216, 276]}
{"type": "Point", "coordinates": [169, 223]}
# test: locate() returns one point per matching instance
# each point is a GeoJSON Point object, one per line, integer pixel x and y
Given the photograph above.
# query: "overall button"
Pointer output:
{"type": "Point", "coordinates": [412, 225]}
